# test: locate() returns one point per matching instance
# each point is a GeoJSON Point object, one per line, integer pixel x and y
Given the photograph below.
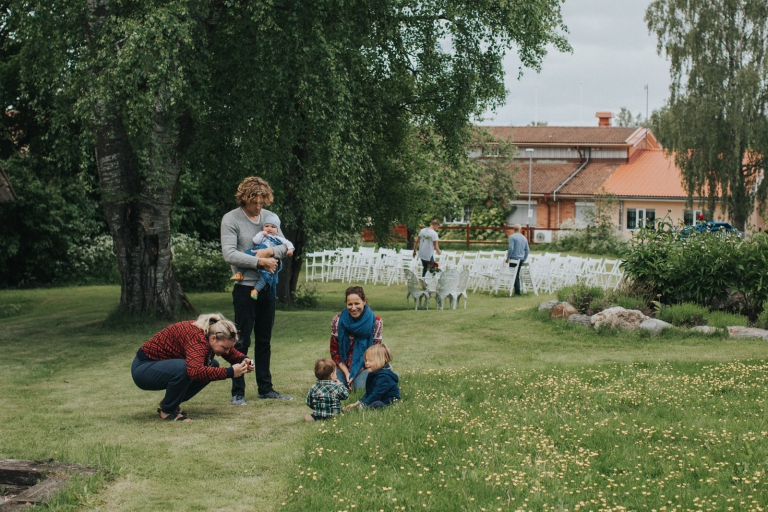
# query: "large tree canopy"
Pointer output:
{"type": "Point", "coordinates": [335, 102]}
{"type": "Point", "coordinates": [715, 119]}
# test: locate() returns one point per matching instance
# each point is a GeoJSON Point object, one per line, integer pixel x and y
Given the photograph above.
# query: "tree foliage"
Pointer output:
{"type": "Point", "coordinates": [715, 119]}
{"type": "Point", "coordinates": [626, 118]}
{"type": "Point", "coordinates": [53, 177]}
{"type": "Point", "coordinates": [339, 104]}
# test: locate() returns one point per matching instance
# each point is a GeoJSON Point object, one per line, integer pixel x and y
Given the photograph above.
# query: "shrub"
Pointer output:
{"type": "Point", "coordinates": [600, 236]}
{"type": "Point", "coordinates": [7, 310]}
{"type": "Point", "coordinates": [762, 318]}
{"type": "Point", "coordinates": [722, 319]}
{"type": "Point", "coordinates": [307, 296]}
{"type": "Point", "coordinates": [587, 299]}
{"type": "Point", "coordinates": [630, 303]}
{"type": "Point", "coordinates": [701, 267]}
{"type": "Point", "coordinates": [92, 262]}
{"type": "Point", "coordinates": [684, 315]}
{"type": "Point", "coordinates": [598, 304]}
{"type": "Point", "coordinates": [199, 266]}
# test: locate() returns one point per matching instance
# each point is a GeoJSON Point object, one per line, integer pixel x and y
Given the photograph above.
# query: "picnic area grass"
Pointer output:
{"type": "Point", "coordinates": [503, 410]}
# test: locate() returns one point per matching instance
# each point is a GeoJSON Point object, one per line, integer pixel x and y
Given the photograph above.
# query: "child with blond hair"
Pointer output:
{"type": "Point", "coordinates": [325, 395]}
{"type": "Point", "coordinates": [381, 386]}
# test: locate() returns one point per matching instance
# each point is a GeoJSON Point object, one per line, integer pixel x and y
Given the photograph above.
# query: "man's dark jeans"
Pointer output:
{"type": "Point", "coordinates": [257, 316]}
{"type": "Point", "coordinates": [425, 264]}
{"type": "Point", "coordinates": [517, 279]}
{"type": "Point", "coordinates": [170, 375]}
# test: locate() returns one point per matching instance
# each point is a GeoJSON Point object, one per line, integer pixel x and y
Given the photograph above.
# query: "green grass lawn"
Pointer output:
{"type": "Point", "coordinates": [504, 408]}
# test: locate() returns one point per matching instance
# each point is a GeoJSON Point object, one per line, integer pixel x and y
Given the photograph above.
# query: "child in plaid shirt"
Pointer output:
{"type": "Point", "coordinates": [326, 394]}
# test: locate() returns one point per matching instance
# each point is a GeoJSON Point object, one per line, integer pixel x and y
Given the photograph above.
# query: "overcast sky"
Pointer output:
{"type": "Point", "coordinates": [613, 57]}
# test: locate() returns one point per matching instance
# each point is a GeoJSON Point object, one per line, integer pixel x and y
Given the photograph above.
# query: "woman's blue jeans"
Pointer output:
{"type": "Point", "coordinates": [170, 375]}
{"type": "Point", "coordinates": [358, 383]}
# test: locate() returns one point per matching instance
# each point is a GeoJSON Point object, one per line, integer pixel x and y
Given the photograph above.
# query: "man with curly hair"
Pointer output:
{"type": "Point", "coordinates": [238, 228]}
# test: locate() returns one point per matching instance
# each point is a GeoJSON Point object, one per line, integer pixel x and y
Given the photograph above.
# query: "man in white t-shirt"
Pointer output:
{"type": "Point", "coordinates": [427, 244]}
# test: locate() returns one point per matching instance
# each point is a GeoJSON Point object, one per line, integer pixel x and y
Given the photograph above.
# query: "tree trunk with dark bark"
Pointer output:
{"type": "Point", "coordinates": [137, 198]}
{"type": "Point", "coordinates": [411, 235]}
{"type": "Point", "coordinates": [138, 212]}
{"type": "Point", "coordinates": [293, 230]}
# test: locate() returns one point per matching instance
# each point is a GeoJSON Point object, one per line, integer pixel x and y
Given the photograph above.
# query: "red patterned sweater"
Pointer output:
{"type": "Point", "coordinates": [185, 341]}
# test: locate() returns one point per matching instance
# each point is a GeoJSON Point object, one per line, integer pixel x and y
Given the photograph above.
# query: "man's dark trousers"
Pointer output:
{"type": "Point", "coordinates": [257, 316]}
{"type": "Point", "coordinates": [517, 278]}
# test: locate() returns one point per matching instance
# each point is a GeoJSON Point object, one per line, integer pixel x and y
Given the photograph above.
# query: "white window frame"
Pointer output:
{"type": "Point", "coordinates": [640, 218]}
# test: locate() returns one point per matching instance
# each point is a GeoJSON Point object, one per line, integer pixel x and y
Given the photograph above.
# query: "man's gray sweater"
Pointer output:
{"type": "Point", "coordinates": [237, 232]}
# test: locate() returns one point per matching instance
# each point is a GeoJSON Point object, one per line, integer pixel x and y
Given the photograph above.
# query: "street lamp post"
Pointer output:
{"type": "Point", "coordinates": [530, 176]}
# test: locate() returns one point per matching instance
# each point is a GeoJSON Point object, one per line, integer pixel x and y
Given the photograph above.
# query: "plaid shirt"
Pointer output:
{"type": "Point", "coordinates": [325, 397]}
{"type": "Point", "coordinates": [185, 341]}
{"type": "Point", "coordinates": [377, 328]}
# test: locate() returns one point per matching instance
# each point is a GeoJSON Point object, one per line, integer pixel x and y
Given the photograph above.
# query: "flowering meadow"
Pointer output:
{"type": "Point", "coordinates": [655, 437]}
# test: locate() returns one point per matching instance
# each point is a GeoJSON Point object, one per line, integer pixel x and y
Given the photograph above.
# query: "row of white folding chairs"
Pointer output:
{"type": "Point", "coordinates": [488, 272]}
{"type": "Point", "coordinates": [551, 271]}
{"type": "Point", "coordinates": [487, 269]}
{"type": "Point", "coordinates": [346, 264]}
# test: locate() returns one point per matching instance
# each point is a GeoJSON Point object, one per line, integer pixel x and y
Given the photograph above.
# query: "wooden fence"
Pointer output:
{"type": "Point", "coordinates": [400, 232]}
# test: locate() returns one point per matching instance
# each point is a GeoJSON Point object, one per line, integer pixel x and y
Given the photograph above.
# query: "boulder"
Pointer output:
{"type": "Point", "coordinates": [562, 311]}
{"type": "Point", "coordinates": [618, 317]}
{"type": "Point", "coordinates": [580, 319]}
{"type": "Point", "coordinates": [706, 329]}
{"type": "Point", "coordinates": [546, 306]}
{"type": "Point", "coordinates": [654, 325]}
{"type": "Point", "coordinates": [736, 331]}
{"type": "Point", "coordinates": [601, 316]}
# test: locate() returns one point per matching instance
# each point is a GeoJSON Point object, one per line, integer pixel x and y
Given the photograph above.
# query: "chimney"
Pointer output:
{"type": "Point", "coordinates": [604, 117]}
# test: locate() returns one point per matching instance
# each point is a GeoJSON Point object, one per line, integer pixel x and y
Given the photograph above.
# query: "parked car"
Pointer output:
{"type": "Point", "coordinates": [710, 227]}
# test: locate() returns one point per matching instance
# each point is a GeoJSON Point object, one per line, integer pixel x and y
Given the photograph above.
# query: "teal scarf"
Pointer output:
{"type": "Point", "coordinates": [362, 330]}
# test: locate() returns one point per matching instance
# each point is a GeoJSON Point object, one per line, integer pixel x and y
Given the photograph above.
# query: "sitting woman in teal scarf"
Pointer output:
{"type": "Point", "coordinates": [352, 331]}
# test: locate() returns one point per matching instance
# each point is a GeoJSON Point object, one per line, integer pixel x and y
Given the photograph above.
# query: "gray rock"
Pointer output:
{"type": "Point", "coordinates": [546, 306]}
{"type": "Point", "coordinates": [580, 319]}
{"type": "Point", "coordinates": [706, 329]}
{"type": "Point", "coordinates": [601, 316]}
{"type": "Point", "coordinates": [618, 317]}
{"type": "Point", "coordinates": [654, 325]}
{"type": "Point", "coordinates": [736, 331]}
{"type": "Point", "coordinates": [562, 311]}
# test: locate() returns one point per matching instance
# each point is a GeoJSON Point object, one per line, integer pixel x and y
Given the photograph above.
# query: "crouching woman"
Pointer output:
{"type": "Point", "coordinates": [180, 360]}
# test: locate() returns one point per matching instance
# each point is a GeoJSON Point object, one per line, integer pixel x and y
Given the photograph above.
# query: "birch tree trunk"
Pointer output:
{"type": "Point", "coordinates": [138, 212]}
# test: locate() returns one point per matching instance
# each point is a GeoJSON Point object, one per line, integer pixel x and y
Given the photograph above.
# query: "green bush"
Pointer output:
{"type": "Point", "coordinates": [592, 239]}
{"type": "Point", "coordinates": [600, 236]}
{"type": "Point", "coordinates": [684, 315]}
{"type": "Point", "coordinates": [699, 268]}
{"type": "Point", "coordinates": [7, 310]}
{"type": "Point", "coordinates": [92, 262]}
{"type": "Point", "coordinates": [199, 266]}
{"type": "Point", "coordinates": [307, 296]}
{"type": "Point", "coordinates": [722, 319]}
{"type": "Point", "coordinates": [587, 299]}
{"type": "Point", "coordinates": [630, 303]}
{"type": "Point", "coordinates": [762, 318]}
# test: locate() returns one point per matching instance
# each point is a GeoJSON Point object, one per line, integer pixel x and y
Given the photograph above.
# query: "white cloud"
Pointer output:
{"type": "Point", "coordinates": [614, 57]}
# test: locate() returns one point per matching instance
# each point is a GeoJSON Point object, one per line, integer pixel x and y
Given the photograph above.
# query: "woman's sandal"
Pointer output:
{"type": "Point", "coordinates": [160, 409]}
{"type": "Point", "coordinates": [179, 416]}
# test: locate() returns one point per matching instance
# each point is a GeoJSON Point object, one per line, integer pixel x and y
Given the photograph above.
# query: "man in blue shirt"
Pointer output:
{"type": "Point", "coordinates": [518, 250]}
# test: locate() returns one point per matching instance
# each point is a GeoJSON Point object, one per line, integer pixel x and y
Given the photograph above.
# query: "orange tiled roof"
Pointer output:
{"type": "Point", "coordinates": [547, 177]}
{"type": "Point", "coordinates": [589, 180]}
{"type": "Point", "coordinates": [653, 174]}
{"type": "Point", "coordinates": [613, 135]}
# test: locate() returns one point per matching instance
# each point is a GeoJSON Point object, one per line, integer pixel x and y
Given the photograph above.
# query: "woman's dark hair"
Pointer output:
{"type": "Point", "coordinates": [355, 290]}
